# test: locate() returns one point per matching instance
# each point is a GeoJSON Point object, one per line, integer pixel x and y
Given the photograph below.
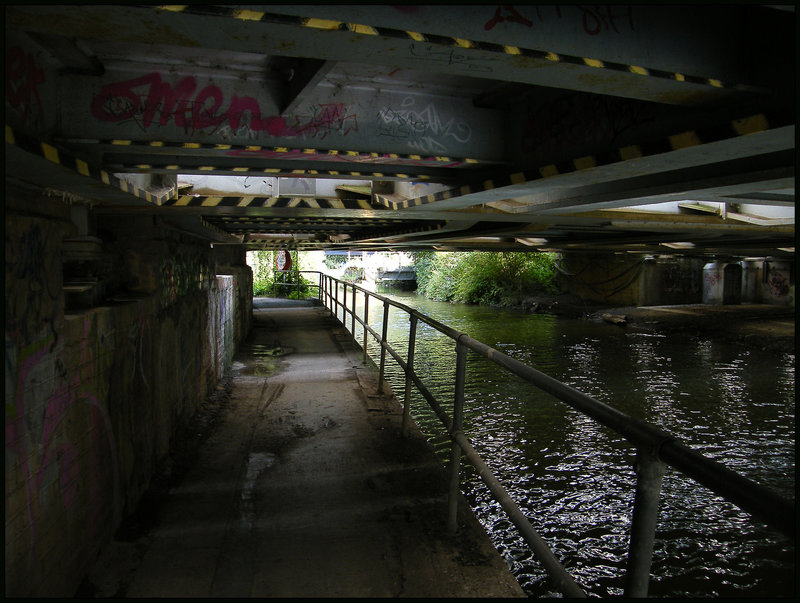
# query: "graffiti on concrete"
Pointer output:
{"type": "Point", "coordinates": [422, 128]}
{"type": "Point", "coordinates": [150, 101]}
{"type": "Point", "coordinates": [56, 454]}
{"type": "Point", "coordinates": [141, 98]}
{"type": "Point", "coordinates": [712, 279]}
{"type": "Point", "coordinates": [678, 278]}
{"type": "Point", "coordinates": [136, 340]}
{"type": "Point", "coordinates": [595, 19]}
{"type": "Point", "coordinates": [30, 259]}
{"type": "Point", "coordinates": [23, 79]}
{"type": "Point", "coordinates": [600, 18]}
{"type": "Point", "coordinates": [182, 274]}
{"type": "Point", "coordinates": [451, 56]}
{"type": "Point", "coordinates": [777, 282]}
{"type": "Point", "coordinates": [323, 120]}
{"type": "Point", "coordinates": [507, 13]}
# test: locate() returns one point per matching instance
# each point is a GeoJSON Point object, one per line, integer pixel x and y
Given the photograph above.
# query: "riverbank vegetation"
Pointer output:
{"type": "Point", "coordinates": [486, 277]}
{"type": "Point", "coordinates": [267, 282]}
{"type": "Point", "coordinates": [475, 277]}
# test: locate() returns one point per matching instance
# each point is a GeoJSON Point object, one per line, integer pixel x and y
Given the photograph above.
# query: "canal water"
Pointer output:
{"type": "Point", "coordinates": [574, 479]}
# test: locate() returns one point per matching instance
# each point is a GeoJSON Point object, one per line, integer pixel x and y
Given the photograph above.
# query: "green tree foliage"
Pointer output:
{"type": "Point", "coordinates": [332, 262]}
{"type": "Point", "coordinates": [485, 277]}
{"type": "Point", "coordinates": [270, 283]}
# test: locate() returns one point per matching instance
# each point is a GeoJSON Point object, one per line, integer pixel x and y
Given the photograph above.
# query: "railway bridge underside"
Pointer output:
{"type": "Point", "coordinates": [148, 147]}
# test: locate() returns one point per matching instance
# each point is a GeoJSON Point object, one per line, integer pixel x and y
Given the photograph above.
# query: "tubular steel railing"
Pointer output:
{"type": "Point", "coordinates": [297, 282]}
{"type": "Point", "coordinates": [655, 448]}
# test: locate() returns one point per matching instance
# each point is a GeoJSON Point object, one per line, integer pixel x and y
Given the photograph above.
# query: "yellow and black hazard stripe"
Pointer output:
{"type": "Point", "coordinates": [705, 135]}
{"type": "Point", "coordinates": [408, 228]}
{"type": "Point", "coordinates": [276, 202]}
{"type": "Point", "coordinates": [69, 161]}
{"type": "Point", "coordinates": [285, 152]}
{"type": "Point", "coordinates": [290, 222]}
{"type": "Point", "coordinates": [173, 168]}
{"type": "Point", "coordinates": [244, 14]}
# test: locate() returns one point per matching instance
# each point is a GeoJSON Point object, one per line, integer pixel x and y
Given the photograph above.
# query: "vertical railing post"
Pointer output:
{"type": "Point", "coordinates": [455, 452]}
{"type": "Point", "coordinates": [366, 322]}
{"type": "Point", "coordinates": [384, 331]}
{"type": "Point", "coordinates": [329, 292]}
{"type": "Point", "coordinates": [344, 306]}
{"type": "Point", "coordinates": [319, 288]}
{"type": "Point", "coordinates": [336, 299]}
{"type": "Point", "coordinates": [412, 337]}
{"type": "Point", "coordinates": [650, 475]}
{"type": "Point", "coordinates": [353, 316]}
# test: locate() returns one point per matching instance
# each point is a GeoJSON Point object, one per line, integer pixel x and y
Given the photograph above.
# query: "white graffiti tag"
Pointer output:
{"type": "Point", "coordinates": [424, 129]}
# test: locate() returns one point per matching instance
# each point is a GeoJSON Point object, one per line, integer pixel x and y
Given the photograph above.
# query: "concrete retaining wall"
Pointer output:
{"type": "Point", "coordinates": [619, 279]}
{"type": "Point", "coordinates": [95, 395]}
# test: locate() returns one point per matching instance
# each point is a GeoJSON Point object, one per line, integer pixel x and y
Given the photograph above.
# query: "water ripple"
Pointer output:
{"type": "Point", "coordinates": [574, 479]}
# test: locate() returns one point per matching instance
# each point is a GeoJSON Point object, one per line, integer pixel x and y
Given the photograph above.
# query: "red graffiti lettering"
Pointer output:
{"type": "Point", "coordinates": [23, 78]}
{"type": "Point", "coordinates": [514, 17]}
{"type": "Point", "coordinates": [145, 97]}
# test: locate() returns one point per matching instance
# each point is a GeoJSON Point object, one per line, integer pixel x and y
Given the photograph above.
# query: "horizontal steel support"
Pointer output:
{"type": "Point", "coordinates": [771, 148]}
{"type": "Point", "coordinates": [625, 51]}
{"type": "Point", "coordinates": [144, 151]}
{"type": "Point", "coordinates": [253, 166]}
{"type": "Point", "coordinates": [156, 104]}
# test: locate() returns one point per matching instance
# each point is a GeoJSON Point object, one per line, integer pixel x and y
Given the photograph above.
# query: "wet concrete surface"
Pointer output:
{"type": "Point", "coordinates": [302, 486]}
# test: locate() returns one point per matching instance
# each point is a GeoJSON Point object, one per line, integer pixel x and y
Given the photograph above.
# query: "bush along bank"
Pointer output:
{"type": "Point", "coordinates": [267, 282]}
{"type": "Point", "coordinates": [527, 280]}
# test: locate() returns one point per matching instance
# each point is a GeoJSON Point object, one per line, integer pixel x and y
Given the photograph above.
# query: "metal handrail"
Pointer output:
{"type": "Point", "coordinates": [298, 283]}
{"type": "Point", "coordinates": [655, 448]}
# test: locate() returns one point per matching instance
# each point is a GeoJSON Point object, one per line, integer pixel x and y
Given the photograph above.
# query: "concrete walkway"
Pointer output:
{"type": "Point", "coordinates": [305, 488]}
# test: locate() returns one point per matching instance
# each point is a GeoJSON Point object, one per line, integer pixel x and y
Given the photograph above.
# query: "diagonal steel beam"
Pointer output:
{"type": "Point", "coordinates": [750, 144]}
{"type": "Point", "coordinates": [306, 74]}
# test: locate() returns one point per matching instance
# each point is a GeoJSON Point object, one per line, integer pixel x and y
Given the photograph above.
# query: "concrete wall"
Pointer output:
{"type": "Point", "coordinates": [670, 281]}
{"type": "Point", "coordinates": [94, 395]}
{"type": "Point", "coordinates": [607, 278]}
{"type": "Point", "coordinates": [627, 280]}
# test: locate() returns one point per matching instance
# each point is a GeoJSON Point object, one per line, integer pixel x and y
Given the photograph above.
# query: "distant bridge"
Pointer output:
{"type": "Point", "coordinates": [407, 273]}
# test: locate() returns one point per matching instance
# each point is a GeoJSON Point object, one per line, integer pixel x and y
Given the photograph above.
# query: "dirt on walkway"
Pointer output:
{"type": "Point", "coordinates": [301, 486]}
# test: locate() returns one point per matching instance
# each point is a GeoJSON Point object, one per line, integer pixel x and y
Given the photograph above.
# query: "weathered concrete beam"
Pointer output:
{"type": "Point", "coordinates": [306, 75]}
{"type": "Point", "coordinates": [623, 51]}
{"type": "Point", "coordinates": [630, 171]}
{"type": "Point", "coordinates": [165, 108]}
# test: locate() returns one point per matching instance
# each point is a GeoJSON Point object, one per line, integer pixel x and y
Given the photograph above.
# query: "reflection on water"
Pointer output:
{"type": "Point", "coordinates": [574, 478]}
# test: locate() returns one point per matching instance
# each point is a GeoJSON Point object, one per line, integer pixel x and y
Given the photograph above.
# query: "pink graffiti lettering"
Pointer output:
{"type": "Point", "coordinates": [514, 17]}
{"type": "Point", "coordinates": [23, 78]}
{"type": "Point", "coordinates": [16, 428]}
{"type": "Point", "coordinates": [147, 95]}
{"type": "Point", "coordinates": [39, 454]}
{"type": "Point", "coordinates": [152, 101]}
